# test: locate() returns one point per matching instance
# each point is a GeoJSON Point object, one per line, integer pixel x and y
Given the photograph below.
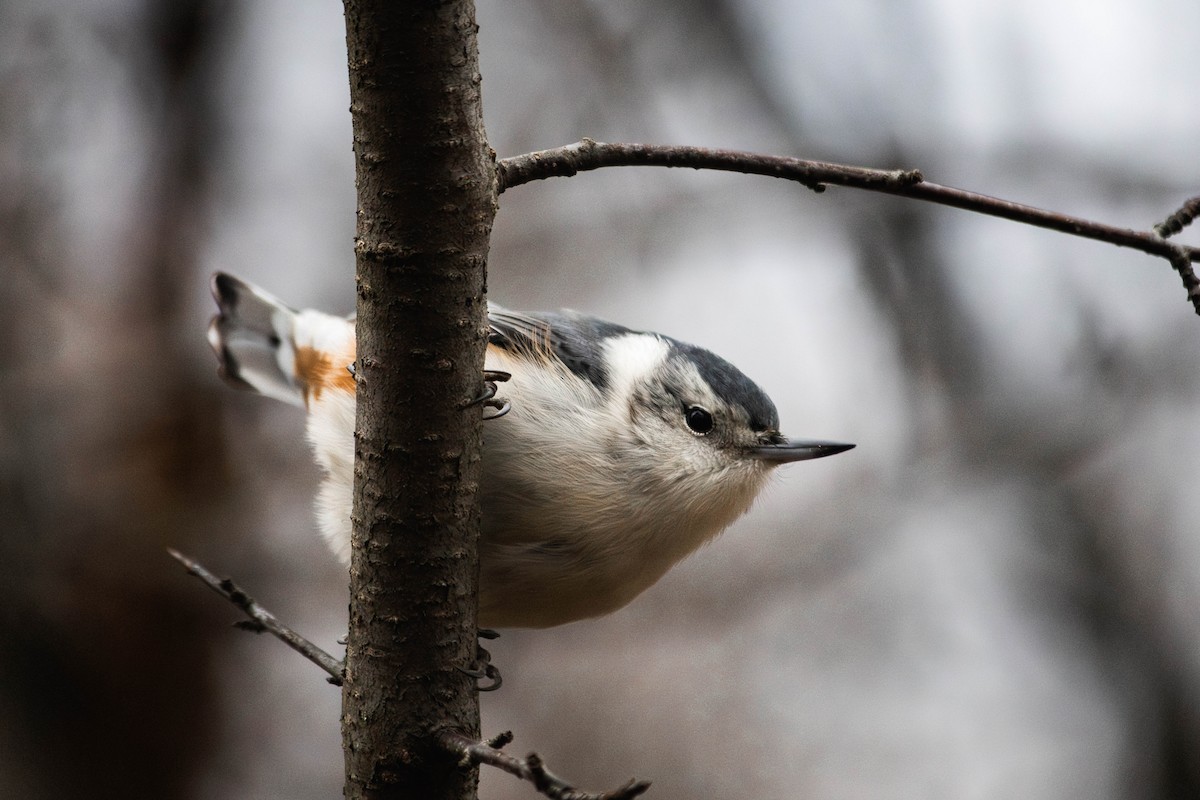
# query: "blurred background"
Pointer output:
{"type": "Point", "coordinates": [994, 596]}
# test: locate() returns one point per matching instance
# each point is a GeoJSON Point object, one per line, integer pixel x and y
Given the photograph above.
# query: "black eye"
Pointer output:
{"type": "Point", "coordinates": [699, 420]}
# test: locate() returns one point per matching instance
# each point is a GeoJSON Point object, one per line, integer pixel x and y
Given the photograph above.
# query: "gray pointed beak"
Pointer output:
{"type": "Point", "coordinates": [786, 451]}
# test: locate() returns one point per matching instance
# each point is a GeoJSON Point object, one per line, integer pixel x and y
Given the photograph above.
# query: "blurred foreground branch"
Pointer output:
{"type": "Point", "coordinates": [589, 155]}
{"type": "Point", "coordinates": [261, 620]}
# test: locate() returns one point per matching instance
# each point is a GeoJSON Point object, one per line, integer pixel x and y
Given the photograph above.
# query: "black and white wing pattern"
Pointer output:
{"type": "Point", "coordinates": [574, 340]}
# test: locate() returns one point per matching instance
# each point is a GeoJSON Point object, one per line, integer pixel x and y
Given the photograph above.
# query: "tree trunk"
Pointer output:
{"type": "Point", "coordinates": [426, 201]}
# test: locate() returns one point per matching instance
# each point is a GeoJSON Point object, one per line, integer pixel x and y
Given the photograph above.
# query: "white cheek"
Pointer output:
{"type": "Point", "coordinates": [632, 357]}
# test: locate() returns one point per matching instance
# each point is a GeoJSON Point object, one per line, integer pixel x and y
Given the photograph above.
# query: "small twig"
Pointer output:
{"type": "Point", "coordinates": [590, 155]}
{"type": "Point", "coordinates": [499, 740]}
{"type": "Point", "coordinates": [1191, 284]}
{"type": "Point", "coordinates": [531, 768]}
{"type": "Point", "coordinates": [262, 620]}
{"type": "Point", "coordinates": [1186, 214]}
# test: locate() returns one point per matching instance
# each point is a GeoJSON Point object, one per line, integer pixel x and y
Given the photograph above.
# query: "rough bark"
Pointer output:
{"type": "Point", "coordinates": [426, 201]}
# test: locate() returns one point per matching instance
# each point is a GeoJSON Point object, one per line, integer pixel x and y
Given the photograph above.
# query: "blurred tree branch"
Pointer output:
{"type": "Point", "coordinates": [587, 155]}
{"type": "Point", "coordinates": [105, 446]}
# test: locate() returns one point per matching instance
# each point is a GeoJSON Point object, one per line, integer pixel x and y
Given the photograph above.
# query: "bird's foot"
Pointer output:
{"type": "Point", "coordinates": [484, 669]}
{"type": "Point", "coordinates": [488, 398]}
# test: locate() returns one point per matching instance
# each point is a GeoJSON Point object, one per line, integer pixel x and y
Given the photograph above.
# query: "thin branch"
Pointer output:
{"type": "Point", "coordinates": [531, 768]}
{"type": "Point", "coordinates": [590, 155]}
{"type": "Point", "coordinates": [1186, 214]}
{"type": "Point", "coordinates": [262, 620]}
{"type": "Point", "coordinates": [1191, 284]}
{"type": "Point", "coordinates": [587, 155]}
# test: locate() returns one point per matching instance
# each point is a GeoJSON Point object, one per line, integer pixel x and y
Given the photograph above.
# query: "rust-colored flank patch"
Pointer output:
{"type": "Point", "coordinates": [318, 370]}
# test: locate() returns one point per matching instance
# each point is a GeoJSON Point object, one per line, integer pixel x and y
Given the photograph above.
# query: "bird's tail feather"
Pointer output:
{"type": "Point", "coordinates": [253, 336]}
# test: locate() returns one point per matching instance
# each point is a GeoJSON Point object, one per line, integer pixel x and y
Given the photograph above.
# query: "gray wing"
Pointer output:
{"type": "Point", "coordinates": [575, 340]}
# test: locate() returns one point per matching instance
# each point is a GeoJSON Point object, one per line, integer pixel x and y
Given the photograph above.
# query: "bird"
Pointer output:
{"type": "Point", "coordinates": [622, 451]}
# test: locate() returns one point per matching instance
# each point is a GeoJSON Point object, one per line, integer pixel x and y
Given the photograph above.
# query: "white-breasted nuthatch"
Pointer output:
{"type": "Point", "coordinates": [623, 452]}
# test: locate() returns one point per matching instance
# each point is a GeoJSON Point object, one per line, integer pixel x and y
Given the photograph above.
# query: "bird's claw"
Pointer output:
{"type": "Point", "coordinates": [487, 398]}
{"type": "Point", "coordinates": [484, 670]}
{"type": "Point", "coordinates": [500, 405]}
